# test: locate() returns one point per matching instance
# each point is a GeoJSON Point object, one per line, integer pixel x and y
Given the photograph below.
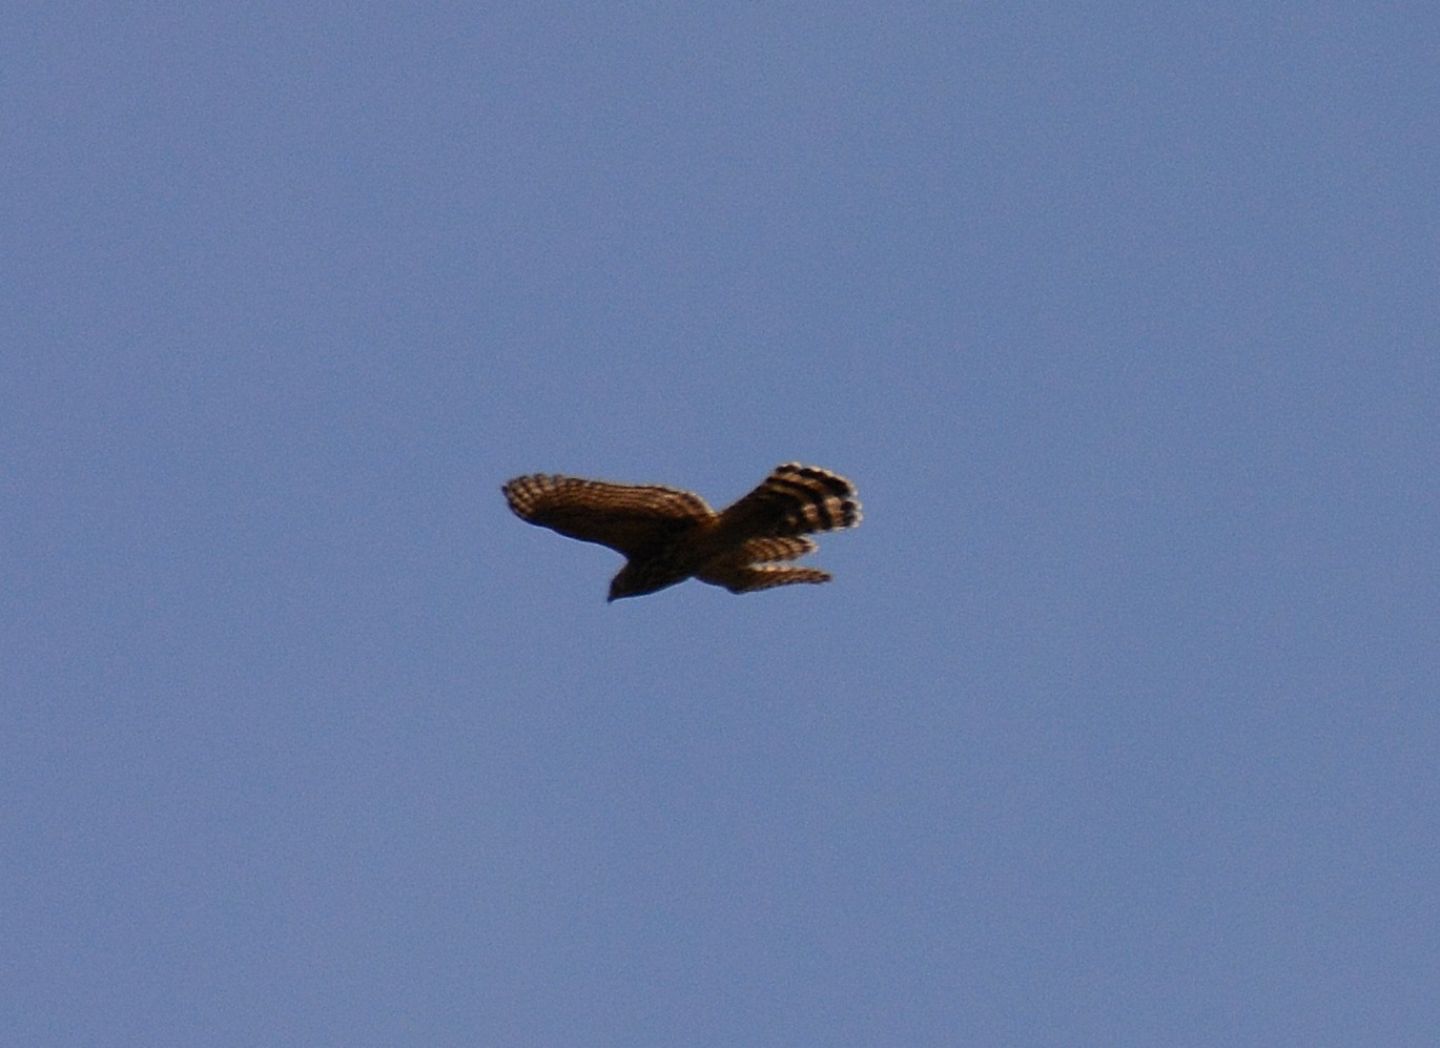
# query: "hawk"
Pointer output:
{"type": "Point", "coordinates": [668, 535]}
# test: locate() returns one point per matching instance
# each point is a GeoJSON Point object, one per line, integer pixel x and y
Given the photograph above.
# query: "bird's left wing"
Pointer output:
{"type": "Point", "coordinates": [625, 517]}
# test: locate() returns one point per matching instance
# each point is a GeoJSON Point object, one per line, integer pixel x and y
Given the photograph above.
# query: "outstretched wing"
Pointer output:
{"type": "Point", "coordinates": [625, 517]}
{"type": "Point", "coordinates": [794, 500]}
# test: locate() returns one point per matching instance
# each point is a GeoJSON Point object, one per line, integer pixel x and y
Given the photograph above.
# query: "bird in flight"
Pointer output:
{"type": "Point", "coordinates": [668, 535]}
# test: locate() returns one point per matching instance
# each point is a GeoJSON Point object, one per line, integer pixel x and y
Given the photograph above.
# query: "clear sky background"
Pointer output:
{"type": "Point", "coordinates": [1118, 725]}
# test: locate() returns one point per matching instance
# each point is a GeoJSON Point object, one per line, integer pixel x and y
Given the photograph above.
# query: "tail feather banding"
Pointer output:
{"type": "Point", "coordinates": [749, 578]}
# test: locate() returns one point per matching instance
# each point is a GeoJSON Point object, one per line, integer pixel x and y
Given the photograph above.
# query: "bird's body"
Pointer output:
{"type": "Point", "coordinates": [668, 535]}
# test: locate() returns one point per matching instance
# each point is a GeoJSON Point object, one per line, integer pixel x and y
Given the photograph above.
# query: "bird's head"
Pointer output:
{"type": "Point", "coordinates": [639, 578]}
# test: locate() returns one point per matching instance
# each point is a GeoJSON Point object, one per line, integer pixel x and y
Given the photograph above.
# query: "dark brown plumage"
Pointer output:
{"type": "Point", "coordinates": [668, 535]}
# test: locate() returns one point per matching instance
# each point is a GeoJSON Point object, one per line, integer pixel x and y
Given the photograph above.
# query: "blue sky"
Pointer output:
{"type": "Point", "coordinates": [1118, 724]}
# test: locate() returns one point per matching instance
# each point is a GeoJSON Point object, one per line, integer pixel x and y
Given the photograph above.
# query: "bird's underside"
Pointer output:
{"type": "Point", "coordinates": [668, 535]}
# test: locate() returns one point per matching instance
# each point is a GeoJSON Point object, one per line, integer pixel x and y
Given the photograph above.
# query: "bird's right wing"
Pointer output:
{"type": "Point", "coordinates": [794, 500]}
